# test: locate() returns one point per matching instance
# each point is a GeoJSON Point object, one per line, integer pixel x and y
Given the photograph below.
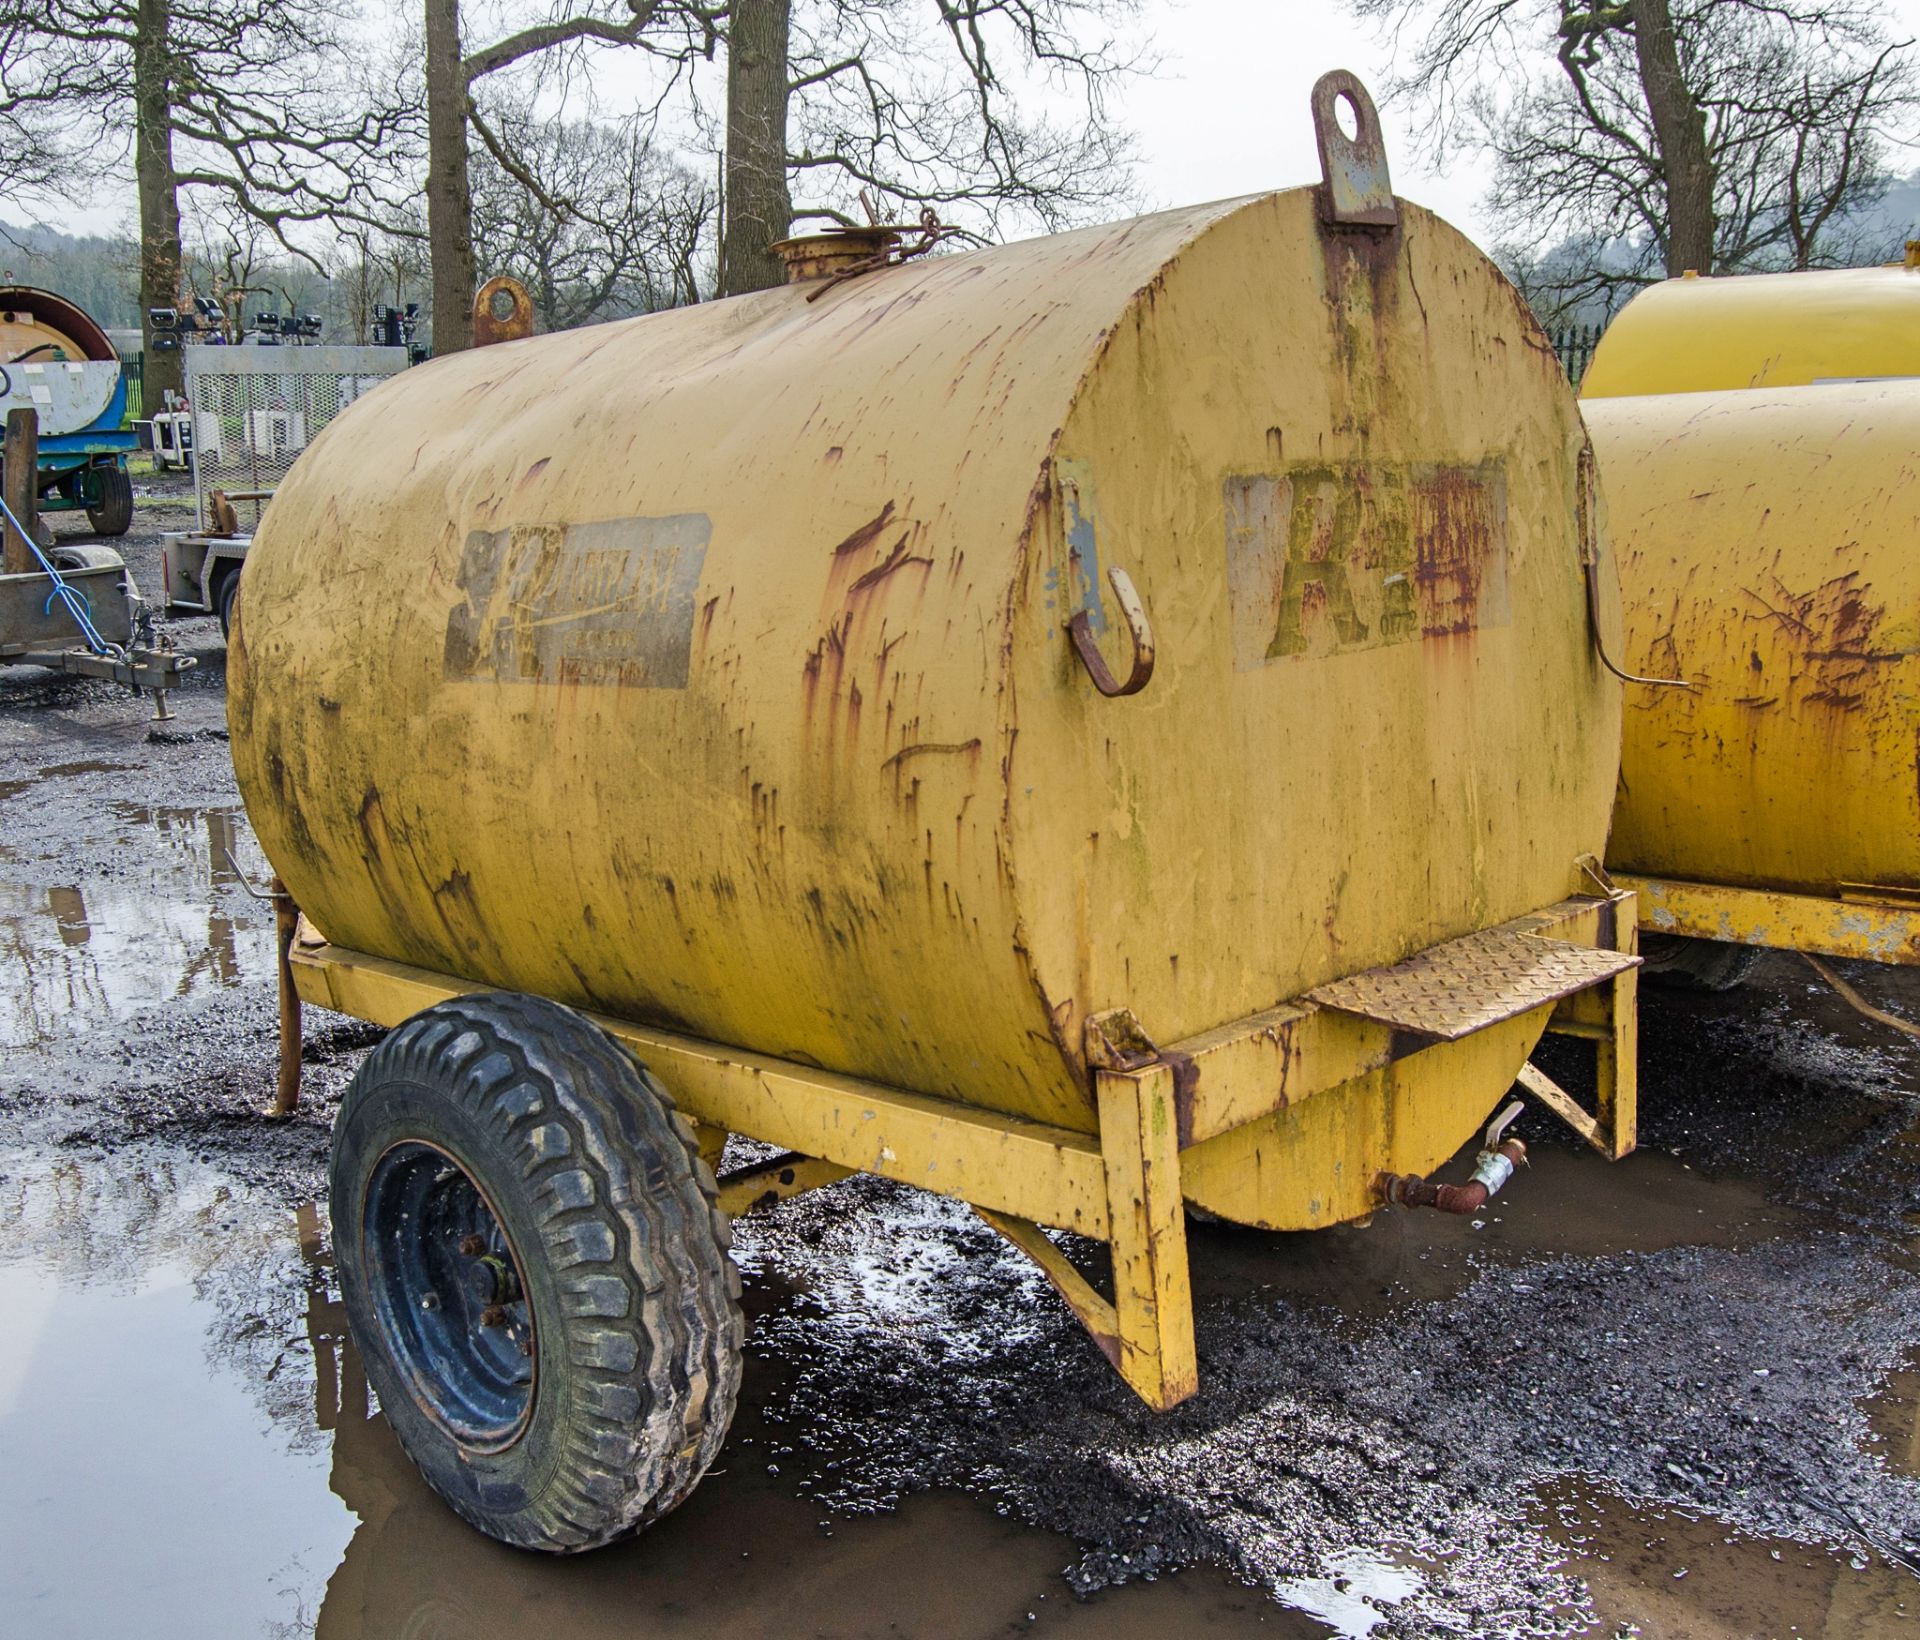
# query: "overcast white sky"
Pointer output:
{"type": "Point", "coordinates": [1227, 113]}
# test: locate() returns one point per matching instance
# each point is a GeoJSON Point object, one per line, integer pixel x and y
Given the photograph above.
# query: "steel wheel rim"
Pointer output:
{"type": "Point", "coordinates": [446, 1285]}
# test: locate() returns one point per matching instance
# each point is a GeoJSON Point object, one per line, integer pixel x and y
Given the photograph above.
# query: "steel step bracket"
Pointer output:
{"type": "Point", "coordinates": [1452, 990]}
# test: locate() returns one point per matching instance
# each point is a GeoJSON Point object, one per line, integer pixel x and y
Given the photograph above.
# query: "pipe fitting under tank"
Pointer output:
{"type": "Point", "coordinates": [1492, 1168]}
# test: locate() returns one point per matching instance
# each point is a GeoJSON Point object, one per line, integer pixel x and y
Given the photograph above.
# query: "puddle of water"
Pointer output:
{"type": "Point", "coordinates": [58, 771]}
{"type": "Point", "coordinates": [144, 1486]}
{"type": "Point", "coordinates": [173, 921]}
{"type": "Point", "coordinates": [1668, 1575]}
{"type": "Point", "coordinates": [1566, 1203]}
{"type": "Point", "coordinates": [188, 1447]}
{"type": "Point", "coordinates": [1356, 1593]}
{"type": "Point", "coordinates": [1893, 1418]}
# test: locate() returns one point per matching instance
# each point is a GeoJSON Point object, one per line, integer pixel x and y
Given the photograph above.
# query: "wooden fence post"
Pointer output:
{"type": "Point", "coordinates": [22, 457]}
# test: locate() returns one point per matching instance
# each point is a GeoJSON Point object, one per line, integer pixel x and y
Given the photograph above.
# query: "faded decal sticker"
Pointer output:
{"type": "Point", "coordinates": [1334, 556]}
{"type": "Point", "coordinates": [1073, 490]}
{"type": "Point", "coordinates": [610, 602]}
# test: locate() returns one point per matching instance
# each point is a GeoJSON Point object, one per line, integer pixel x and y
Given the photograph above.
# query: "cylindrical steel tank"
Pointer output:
{"type": "Point", "coordinates": [1766, 540]}
{"type": "Point", "coordinates": [713, 668]}
{"type": "Point", "coordinates": [40, 335]}
{"type": "Point", "coordinates": [1700, 335]}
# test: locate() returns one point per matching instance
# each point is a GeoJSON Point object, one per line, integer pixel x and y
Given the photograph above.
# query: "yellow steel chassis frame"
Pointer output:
{"type": "Point", "coordinates": [1120, 1185]}
{"type": "Point", "coordinates": [1874, 923]}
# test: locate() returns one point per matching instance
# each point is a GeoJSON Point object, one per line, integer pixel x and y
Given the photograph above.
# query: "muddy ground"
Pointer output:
{"type": "Point", "coordinates": [1676, 1396]}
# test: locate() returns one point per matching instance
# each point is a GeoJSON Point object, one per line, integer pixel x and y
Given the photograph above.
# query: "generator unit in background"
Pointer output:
{"type": "Point", "coordinates": [56, 361]}
{"type": "Point", "coordinates": [1085, 727]}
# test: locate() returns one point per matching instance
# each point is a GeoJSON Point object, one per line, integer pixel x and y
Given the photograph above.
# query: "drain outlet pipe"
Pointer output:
{"type": "Point", "coordinates": [1492, 1168]}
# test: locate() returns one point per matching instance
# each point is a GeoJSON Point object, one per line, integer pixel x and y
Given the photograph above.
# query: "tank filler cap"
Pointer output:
{"type": "Point", "coordinates": [837, 250]}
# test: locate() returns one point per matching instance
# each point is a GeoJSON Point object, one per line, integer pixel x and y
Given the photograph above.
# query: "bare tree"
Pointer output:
{"type": "Point", "coordinates": [378, 269]}
{"type": "Point", "coordinates": [593, 219]}
{"type": "Point", "coordinates": [1650, 137]}
{"type": "Point", "coordinates": [674, 32]}
{"type": "Point", "coordinates": [995, 111]}
{"type": "Point", "coordinates": [258, 101]}
{"type": "Point", "coordinates": [229, 254]}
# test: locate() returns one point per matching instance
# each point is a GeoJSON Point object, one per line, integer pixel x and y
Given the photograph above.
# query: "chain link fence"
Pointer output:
{"type": "Point", "coordinates": [256, 408]}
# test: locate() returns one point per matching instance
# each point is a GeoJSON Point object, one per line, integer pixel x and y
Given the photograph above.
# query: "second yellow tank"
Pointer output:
{"type": "Point", "coordinates": [1767, 550]}
{"type": "Point", "coordinates": [1698, 335]}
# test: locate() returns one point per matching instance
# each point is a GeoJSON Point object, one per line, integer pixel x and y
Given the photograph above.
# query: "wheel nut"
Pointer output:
{"type": "Point", "coordinates": [474, 1245]}
{"type": "Point", "coordinates": [429, 1301]}
{"type": "Point", "coordinates": [493, 1316]}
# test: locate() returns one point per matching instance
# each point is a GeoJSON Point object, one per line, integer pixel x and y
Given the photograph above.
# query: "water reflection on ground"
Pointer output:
{"type": "Point", "coordinates": [173, 920]}
{"type": "Point", "coordinates": [188, 1447]}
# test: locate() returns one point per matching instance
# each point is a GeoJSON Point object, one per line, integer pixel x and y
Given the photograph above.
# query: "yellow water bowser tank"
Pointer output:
{"type": "Point", "coordinates": [1700, 335]}
{"type": "Point", "coordinates": [714, 668]}
{"type": "Point", "coordinates": [1767, 539]}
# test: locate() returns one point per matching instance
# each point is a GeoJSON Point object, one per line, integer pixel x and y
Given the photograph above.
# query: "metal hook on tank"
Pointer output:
{"type": "Point", "coordinates": [1081, 626]}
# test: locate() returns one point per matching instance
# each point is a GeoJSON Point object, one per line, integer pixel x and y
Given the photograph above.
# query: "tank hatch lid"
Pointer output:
{"type": "Point", "coordinates": [837, 250]}
{"type": "Point", "coordinates": [1450, 991]}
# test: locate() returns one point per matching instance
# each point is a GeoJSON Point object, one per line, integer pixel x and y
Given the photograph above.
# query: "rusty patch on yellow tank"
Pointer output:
{"type": "Point", "coordinates": [1335, 556]}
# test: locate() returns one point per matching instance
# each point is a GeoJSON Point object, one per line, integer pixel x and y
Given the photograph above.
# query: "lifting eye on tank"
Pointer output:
{"type": "Point", "coordinates": [1356, 191]}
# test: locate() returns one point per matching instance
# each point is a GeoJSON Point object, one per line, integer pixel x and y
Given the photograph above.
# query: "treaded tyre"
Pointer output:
{"type": "Point", "coordinates": [1684, 964]}
{"type": "Point", "coordinates": [224, 600]}
{"type": "Point", "coordinates": [535, 1271]}
{"type": "Point", "coordinates": [112, 514]}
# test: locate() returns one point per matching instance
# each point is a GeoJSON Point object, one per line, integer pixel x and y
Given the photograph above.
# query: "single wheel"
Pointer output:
{"type": "Point", "coordinates": [1683, 964]}
{"type": "Point", "coordinates": [224, 599]}
{"type": "Point", "coordinates": [112, 512]}
{"type": "Point", "coordinates": [535, 1271]}
{"type": "Point", "coordinates": [81, 555]}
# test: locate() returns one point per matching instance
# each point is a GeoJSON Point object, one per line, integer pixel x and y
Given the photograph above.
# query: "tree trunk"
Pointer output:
{"type": "Point", "coordinates": [158, 194]}
{"type": "Point", "coordinates": [1680, 128]}
{"type": "Point", "coordinates": [449, 194]}
{"type": "Point", "coordinates": [759, 208]}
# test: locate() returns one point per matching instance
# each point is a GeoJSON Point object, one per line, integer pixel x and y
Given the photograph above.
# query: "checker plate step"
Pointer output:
{"type": "Point", "coordinates": [1450, 991]}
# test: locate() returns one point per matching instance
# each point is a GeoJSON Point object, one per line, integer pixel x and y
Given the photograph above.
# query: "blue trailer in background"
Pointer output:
{"type": "Point", "coordinates": [70, 606]}
{"type": "Point", "coordinates": [55, 360]}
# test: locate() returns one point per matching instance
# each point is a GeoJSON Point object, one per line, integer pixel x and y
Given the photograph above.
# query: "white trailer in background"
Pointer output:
{"type": "Point", "coordinates": [252, 410]}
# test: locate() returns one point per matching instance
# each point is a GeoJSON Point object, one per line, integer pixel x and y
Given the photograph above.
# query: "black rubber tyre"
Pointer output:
{"type": "Point", "coordinates": [510, 1139]}
{"type": "Point", "coordinates": [1683, 964]}
{"type": "Point", "coordinates": [223, 600]}
{"type": "Point", "coordinates": [112, 514]}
